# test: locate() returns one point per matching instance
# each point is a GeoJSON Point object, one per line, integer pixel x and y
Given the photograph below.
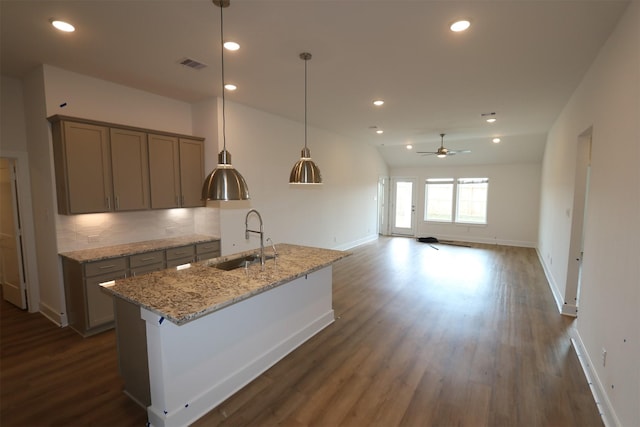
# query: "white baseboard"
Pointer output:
{"type": "Point", "coordinates": [354, 243]}
{"type": "Point", "coordinates": [552, 285]}
{"type": "Point", "coordinates": [603, 403]}
{"type": "Point", "coordinates": [486, 240]}
{"type": "Point", "coordinates": [56, 317]}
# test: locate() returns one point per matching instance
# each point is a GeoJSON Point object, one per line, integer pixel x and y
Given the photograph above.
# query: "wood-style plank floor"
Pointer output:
{"type": "Point", "coordinates": [453, 336]}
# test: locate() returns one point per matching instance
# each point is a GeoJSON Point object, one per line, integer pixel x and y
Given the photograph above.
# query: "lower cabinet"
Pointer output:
{"type": "Point", "coordinates": [89, 309]}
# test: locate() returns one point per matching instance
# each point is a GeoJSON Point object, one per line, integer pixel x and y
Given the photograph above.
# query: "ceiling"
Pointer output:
{"type": "Point", "coordinates": [520, 59]}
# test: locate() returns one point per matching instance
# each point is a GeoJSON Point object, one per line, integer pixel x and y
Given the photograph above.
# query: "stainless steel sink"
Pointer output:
{"type": "Point", "coordinates": [242, 262]}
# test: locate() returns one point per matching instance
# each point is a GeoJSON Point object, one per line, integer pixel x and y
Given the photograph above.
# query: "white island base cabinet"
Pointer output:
{"type": "Point", "coordinates": [196, 366]}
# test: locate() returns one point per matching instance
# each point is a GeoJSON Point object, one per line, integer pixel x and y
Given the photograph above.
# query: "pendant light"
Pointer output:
{"type": "Point", "coordinates": [224, 182]}
{"type": "Point", "coordinates": [305, 171]}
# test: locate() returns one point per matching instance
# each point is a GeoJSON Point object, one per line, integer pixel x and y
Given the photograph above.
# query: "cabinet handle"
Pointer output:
{"type": "Point", "coordinates": [180, 253]}
{"type": "Point", "coordinates": [117, 203]}
{"type": "Point", "coordinates": [148, 259]}
{"type": "Point", "coordinates": [105, 267]}
{"type": "Point", "coordinates": [108, 202]}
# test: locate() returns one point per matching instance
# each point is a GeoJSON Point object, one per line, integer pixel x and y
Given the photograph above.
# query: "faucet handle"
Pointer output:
{"type": "Point", "coordinates": [273, 246]}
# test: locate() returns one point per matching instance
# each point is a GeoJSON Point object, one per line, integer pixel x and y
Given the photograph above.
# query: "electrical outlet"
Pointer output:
{"type": "Point", "coordinates": [604, 356]}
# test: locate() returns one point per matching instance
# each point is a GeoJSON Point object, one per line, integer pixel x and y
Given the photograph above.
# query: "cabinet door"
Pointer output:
{"type": "Point", "coordinates": [99, 303]}
{"type": "Point", "coordinates": [164, 171]}
{"type": "Point", "coordinates": [130, 165]}
{"type": "Point", "coordinates": [85, 160]}
{"type": "Point", "coordinates": [191, 172]}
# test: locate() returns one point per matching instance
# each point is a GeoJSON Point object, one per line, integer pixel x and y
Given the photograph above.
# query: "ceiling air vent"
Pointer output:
{"type": "Point", "coordinates": [192, 63]}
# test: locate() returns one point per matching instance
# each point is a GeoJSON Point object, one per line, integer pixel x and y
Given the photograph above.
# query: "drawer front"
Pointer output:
{"type": "Point", "coordinates": [137, 271]}
{"type": "Point", "coordinates": [105, 266]}
{"type": "Point", "coordinates": [207, 247]}
{"type": "Point", "coordinates": [178, 261]}
{"type": "Point", "coordinates": [181, 252]}
{"type": "Point", "coordinates": [147, 258]}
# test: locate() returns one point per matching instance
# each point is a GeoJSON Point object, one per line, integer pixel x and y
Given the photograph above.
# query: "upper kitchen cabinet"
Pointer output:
{"type": "Point", "coordinates": [191, 172]}
{"type": "Point", "coordinates": [102, 167]}
{"type": "Point", "coordinates": [83, 167]}
{"type": "Point", "coordinates": [130, 167]}
{"type": "Point", "coordinates": [164, 171]}
{"type": "Point", "coordinates": [176, 171]}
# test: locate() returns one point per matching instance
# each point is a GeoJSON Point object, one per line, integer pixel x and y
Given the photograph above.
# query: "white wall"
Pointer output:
{"type": "Point", "coordinates": [608, 99]}
{"type": "Point", "coordinates": [512, 210]}
{"type": "Point", "coordinates": [339, 214]}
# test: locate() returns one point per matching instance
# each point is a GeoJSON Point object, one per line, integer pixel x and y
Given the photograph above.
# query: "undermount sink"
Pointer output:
{"type": "Point", "coordinates": [242, 262]}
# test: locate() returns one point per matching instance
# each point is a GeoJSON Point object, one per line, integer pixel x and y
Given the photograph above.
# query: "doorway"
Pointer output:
{"type": "Point", "coordinates": [576, 244]}
{"type": "Point", "coordinates": [12, 268]}
{"type": "Point", "coordinates": [403, 207]}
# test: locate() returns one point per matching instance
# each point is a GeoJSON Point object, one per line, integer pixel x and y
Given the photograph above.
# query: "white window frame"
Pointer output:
{"type": "Point", "coordinates": [456, 184]}
{"type": "Point", "coordinates": [434, 183]}
{"type": "Point", "coordinates": [481, 186]}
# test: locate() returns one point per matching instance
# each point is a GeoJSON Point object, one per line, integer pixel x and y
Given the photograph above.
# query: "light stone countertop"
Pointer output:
{"type": "Point", "coordinates": [106, 252]}
{"type": "Point", "coordinates": [181, 296]}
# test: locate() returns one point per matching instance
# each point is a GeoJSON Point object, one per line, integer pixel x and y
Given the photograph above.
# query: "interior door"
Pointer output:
{"type": "Point", "coordinates": [403, 208]}
{"type": "Point", "coordinates": [12, 274]}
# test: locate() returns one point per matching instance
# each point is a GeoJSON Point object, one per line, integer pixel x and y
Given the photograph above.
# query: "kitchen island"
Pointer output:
{"type": "Point", "coordinates": [188, 339]}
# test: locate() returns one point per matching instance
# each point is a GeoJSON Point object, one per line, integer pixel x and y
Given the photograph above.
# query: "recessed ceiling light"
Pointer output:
{"type": "Point", "coordinates": [460, 25]}
{"type": "Point", "coordinates": [489, 117]}
{"type": "Point", "coordinates": [409, 147]}
{"type": "Point", "coordinates": [378, 102]}
{"type": "Point", "coordinates": [496, 140]}
{"type": "Point", "coordinates": [231, 46]}
{"type": "Point", "coordinates": [230, 86]}
{"type": "Point", "coordinates": [379, 131]}
{"type": "Point", "coordinates": [62, 26]}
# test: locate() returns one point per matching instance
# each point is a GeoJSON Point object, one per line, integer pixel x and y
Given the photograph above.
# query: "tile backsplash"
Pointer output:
{"type": "Point", "coordinates": [76, 232]}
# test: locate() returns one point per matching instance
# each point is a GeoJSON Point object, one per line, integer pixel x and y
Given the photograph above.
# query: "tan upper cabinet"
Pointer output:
{"type": "Point", "coordinates": [191, 172]}
{"type": "Point", "coordinates": [130, 167]}
{"type": "Point", "coordinates": [83, 167]}
{"type": "Point", "coordinates": [102, 167]}
{"type": "Point", "coordinates": [164, 171]}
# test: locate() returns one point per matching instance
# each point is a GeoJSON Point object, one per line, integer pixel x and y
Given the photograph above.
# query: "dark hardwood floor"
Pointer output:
{"type": "Point", "coordinates": [452, 336]}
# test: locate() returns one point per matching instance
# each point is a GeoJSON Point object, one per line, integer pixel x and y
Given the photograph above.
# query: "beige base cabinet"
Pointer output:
{"type": "Point", "coordinates": [90, 309]}
{"type": "Point", "coordinates": [102, 167]}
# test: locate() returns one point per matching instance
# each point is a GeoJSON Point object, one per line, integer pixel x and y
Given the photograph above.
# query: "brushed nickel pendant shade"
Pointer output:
{"type": "Point", "coordinates": [305, 170]}
{"type": "Point", "coordinates": [224, 182]}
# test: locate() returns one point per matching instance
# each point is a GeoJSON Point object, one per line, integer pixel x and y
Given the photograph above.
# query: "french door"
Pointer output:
{"type": "Point", "coordinates": [403, 207]}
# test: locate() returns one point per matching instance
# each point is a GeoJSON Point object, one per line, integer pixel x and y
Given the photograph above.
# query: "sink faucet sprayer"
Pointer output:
{"type": "Point", "coordinates": [261, 233]}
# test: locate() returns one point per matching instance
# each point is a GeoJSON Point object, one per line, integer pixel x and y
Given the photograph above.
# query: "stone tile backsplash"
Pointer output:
{"type": "Point", "coordinates": [76, 232]}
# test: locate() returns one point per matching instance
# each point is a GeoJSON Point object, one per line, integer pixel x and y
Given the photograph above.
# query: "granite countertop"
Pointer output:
{"type": "Point", "coordinates": [181, 296]}
{"type": "Point", "coordinates": [106, 252]}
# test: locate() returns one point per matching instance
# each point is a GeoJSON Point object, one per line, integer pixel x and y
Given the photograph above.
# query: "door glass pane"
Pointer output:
{"type": "Point", "coordinates": [404, 192]}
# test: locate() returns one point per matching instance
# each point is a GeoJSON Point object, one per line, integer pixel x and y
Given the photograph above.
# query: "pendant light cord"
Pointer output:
{"type": "Point", "coordinates": [305, 104]}
{"type": "Point", "coordinates": [224, 137]}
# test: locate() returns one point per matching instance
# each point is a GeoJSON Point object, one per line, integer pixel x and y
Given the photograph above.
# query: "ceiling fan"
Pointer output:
{"type": "Point", "coordinates": [442, 151]}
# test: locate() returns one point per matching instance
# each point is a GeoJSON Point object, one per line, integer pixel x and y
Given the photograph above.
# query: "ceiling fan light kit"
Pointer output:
{"type": "Point", "coordinates": [442, 151]}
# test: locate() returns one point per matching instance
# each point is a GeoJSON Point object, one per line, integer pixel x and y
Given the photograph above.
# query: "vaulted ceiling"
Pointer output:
{"type": "Point", "coordinates": [519, 59]}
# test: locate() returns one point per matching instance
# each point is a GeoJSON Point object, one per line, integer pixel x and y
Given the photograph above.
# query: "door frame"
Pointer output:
{"type": "Point", "coordinates": [392, 205]}
{"type": "Point", "coordinates": [578, 219]}
{"type": "Point", "coordinates": [28, 230]}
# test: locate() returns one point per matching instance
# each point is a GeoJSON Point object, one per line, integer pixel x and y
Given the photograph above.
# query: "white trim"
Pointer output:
{"type": "Point", "coordinates": [354, 243]}
{"type": "Point", "coordinates": [28, 229]}
{"type": "Point", "coordinates": [552, 284]}
{"type": "Point", "coordinates": [603, 403]}
{"type": "Point", "coordinates": [59, 319]}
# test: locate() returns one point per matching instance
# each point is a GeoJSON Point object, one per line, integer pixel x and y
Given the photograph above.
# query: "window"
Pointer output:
{"type": "Point", "coordinates": [438, 200]}
{"type": "Point", "coordinates": [472, 200]}
{"type": "Point", "coordinates": [470, 195]}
